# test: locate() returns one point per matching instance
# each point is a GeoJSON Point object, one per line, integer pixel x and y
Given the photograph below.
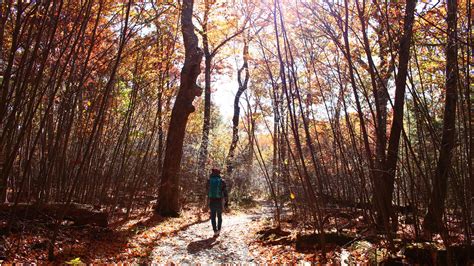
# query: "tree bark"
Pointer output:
{"type": "Point", "coordinates": [385, 185]}
{"type": "Point", "coordinates": [206, 124]}
{"type": "Point", "coordinates": [433, 218]}
{"type": "Point", "coordinates": [168, 201]}
{"type": "Point", "coordinates": [209, 54]}
{"type": "Point", "coordinates": [235, 119]}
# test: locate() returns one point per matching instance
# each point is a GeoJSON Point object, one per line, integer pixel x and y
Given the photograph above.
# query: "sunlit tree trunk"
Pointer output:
{"type": "Point", "coordinates": [206, 125]}
{"type": "Point", "coordinates": [235, 118]}
{"type": "Point", "coordinates": [209, 54]}
{"type": "Point", "coordinates": [168, 201]}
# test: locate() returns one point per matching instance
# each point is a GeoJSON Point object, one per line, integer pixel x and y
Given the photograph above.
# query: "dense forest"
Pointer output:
{"type": "Point", "coordinates": [346, 117]}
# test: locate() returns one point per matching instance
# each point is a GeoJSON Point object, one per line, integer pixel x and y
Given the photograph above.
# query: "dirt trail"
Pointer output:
{"type": "Point", "coordinates": [196, 244]}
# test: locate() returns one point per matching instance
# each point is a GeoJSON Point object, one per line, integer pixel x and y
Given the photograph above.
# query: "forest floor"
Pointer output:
{"type": "Point", "coordinates": [197, 244]}
{"type": "Point", "coordinates": [240, 242]}
{"type": "Point", "coordinates": [142, 238]}
{"type": "Point", "coordinates": [149, 238]}
{"type": "Point", "coordinates": [248, 236]}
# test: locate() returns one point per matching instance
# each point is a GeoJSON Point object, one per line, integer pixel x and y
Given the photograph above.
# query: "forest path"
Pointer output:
{"type": "Point", "coordinates": [196, 244]}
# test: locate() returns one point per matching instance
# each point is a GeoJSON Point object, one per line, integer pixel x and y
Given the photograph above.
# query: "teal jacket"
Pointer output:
{"type": "Point", "coordinates": [223, 188]}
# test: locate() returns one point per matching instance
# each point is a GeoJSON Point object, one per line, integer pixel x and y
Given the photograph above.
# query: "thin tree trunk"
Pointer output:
{"type": "Point", "coordinates": [433, 218]}
{"type": "Point", "coordinates": [385, 185]}
{"type": "Point", "coordinates": [95, 132]}
{"type": "Point", "coordinates": [235, 119]}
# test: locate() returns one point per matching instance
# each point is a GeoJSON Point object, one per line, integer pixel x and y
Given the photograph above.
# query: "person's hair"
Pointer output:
{"type": "Point", "coordinates": [215, 171]}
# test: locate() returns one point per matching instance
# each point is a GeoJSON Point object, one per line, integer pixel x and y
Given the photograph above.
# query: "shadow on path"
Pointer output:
{"type": "Point", "coordinates": [114, 243]}
{"type": "Point", "coordinates": [197, 246]}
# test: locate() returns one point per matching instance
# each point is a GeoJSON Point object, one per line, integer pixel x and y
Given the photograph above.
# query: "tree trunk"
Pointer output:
{"type": "Point", "coordinates": [80, 214]}
{"type": "Point", "coordinates": [168, 201]}
{"type": "Point", "coordinates": [433, 218]}
{"type": "Point", "coordinates": [206, 124]}
{"type": "Point", "coordinates": [235, 119]}
{"type": "Point", "coordinates": [385, 185]}
{"type": "Point", "coordinates": [209, 53]}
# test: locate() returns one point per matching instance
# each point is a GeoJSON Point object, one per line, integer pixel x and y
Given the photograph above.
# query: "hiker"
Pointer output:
{"type": "Point", "coordinates": [217, 194]}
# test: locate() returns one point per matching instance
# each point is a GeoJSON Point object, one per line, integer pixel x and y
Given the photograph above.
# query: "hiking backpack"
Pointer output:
{"type": "Point", "coordinates": [215, 187]}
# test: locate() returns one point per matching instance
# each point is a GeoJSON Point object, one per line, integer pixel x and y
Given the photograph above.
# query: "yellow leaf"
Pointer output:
{"type": "Point", "coordinates": [292, 196]}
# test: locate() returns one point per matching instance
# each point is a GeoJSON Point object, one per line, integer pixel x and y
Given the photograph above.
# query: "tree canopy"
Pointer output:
{"type": "Point", "coordinates": [352, 103]}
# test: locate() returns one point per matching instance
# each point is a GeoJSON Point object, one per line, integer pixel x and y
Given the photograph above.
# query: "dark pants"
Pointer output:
{"type": "Point", "coordinates": [216, 210]}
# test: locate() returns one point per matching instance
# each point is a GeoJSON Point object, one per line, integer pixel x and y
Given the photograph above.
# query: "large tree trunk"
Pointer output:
{"type": "Point", "coordinates": [385, 185]}
{"type": "Point", "coordinates": [433, 219]}
{"type": "Point", "coordinates": [168, 202]}
{"type": "Point", "coordinates": [235, 119]}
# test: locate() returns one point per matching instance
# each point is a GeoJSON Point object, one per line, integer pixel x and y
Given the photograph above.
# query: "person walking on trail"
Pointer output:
{"type": "Point", "coordinates": [217, 194]}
